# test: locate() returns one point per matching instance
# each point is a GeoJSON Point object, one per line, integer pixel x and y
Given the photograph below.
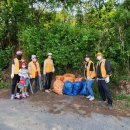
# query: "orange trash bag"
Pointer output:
{"type": "Point", "coordinates": [69, 75]}
{"type": "Point", "coordinates": [59, 77]}
{"type": "Point", "coordinates": [71, 79]}
{"type": "Point", "coordinates": [58, 87]}
{"type": "Point", "coordinates": [79, 79]}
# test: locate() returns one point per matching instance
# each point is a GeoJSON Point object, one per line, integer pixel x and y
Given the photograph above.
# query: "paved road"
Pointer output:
{"type": "Point", "coordinates": [22, 115]}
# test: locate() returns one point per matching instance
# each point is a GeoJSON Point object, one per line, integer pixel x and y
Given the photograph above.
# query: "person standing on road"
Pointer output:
{"type": "Point", "coordinates": [90, 75]}
{"type": "Point", "coordinates": [24, 80]}
{"type": "Point", "coordinates": [34, 72]}
{"type": "Point", "coordinates": [16, 66]}
{"type": "Point", "coordinates": [103, 71]}
{"type": "Point", "coordinates": [48, 70]}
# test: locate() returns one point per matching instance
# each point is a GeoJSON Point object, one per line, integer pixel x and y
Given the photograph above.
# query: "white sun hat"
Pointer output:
{"type": "Point", "coordinates": [19, 52]}
{"type": "Point", "coordinates": [49, 54]}
{"type": "Point", "coordinates": [34, 56]}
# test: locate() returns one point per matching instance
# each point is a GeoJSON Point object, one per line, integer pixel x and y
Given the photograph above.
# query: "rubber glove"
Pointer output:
{"type": "Point", "coordinates": [107, 79]}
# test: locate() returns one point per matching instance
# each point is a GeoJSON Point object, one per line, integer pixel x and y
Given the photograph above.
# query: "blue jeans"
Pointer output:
{"type": "Point", "coordinates": [89, 84]}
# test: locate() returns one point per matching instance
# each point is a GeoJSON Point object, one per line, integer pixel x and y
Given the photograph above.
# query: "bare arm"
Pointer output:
{"type": "Point", "coordinates": [12, 69]}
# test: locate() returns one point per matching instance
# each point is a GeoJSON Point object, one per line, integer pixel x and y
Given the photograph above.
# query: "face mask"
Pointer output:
{"type": "Point", "coordinates": [49, 57]}
{"type": "Point", "coordinates": [34, 60]}
{"type": "Point", "coordinates": [19, 57]}
{"type": "Point", "coordinates": [23, 66]}
{"type": "Point", "coordinates": [99, 57]}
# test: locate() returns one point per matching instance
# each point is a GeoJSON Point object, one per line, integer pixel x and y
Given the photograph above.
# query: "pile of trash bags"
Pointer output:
{"type": "Point", "coordinates": [68, 84]}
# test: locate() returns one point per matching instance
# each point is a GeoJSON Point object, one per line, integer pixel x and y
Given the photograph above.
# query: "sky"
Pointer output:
{"type": "Point", "coordinates": [39, 5]}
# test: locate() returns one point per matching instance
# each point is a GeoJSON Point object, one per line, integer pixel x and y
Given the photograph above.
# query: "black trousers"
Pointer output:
{"type": "Point", "coordinates": [104, 91]}
{"type": "Point", "coordinates": [36, 80]}
{"type": "Point", "coordinates": [48, 80]}
{"type": "Point", "coordinates": [15, 80]}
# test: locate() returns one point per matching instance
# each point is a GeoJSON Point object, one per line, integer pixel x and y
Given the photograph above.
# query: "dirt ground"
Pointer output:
{"type": "Point", "coordinates": [44, 111]}
{"type": "Point", "coordinates": [57, 104]}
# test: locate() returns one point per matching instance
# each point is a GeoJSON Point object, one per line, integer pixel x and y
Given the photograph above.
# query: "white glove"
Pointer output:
{"type": "Point", "coordinates": [12, 75]}
{"type": "Point", "coordinates": [88, 78]}
{"type": "Point", "coordinates": [53, 70]}
{"type": "Point", "coordinates": [107, 79]}
{"type": "Point", "coordinates": [97, 79]}
{"type": "Point", "coordinates": [30, 76]}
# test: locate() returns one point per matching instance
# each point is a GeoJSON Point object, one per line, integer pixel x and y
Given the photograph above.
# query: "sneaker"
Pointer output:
{"type": "Point", "coordinates": [50, 90]}
{"type": "Point", "coordinates": [102, 101]}
{"type": "Point", "coordinates": [12, 97]}
{"type": "Point", "coordinates": [91, 99]}
{"type": "Point", "coordinates": [18, 96]}
{"type": "Point", "coordinates": [88, 97]}
{"type": "Point", "coordinates": [23, 95]}
{"type": "Point", "coordinates": [47, 91]}
{"type": "Point", "coordinates": [109, 106]}
{"type": "Point", "coordinates": [26, 94]}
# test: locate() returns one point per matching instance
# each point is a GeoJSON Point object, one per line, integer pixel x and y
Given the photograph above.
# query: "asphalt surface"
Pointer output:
{"type": "Point", "coordinates": [23, 115]}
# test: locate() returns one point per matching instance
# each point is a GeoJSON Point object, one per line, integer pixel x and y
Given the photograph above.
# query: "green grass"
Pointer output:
{"type": "Point", "coordinates": [128, 98]}
{"type": "Point", "coordinates": [95, 89]}
{"type": "Point", "coordinates": [127, 105]}
{"type": "Point", "coordinates": [125, 77]}
{"type": "Point", "coordinates": [123, 96]}
{"type": "Point", "coordinates": [4, 85]}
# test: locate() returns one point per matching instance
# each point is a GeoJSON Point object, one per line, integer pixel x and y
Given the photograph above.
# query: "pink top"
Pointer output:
{"type": "Point", "coordinates": [22, 82]}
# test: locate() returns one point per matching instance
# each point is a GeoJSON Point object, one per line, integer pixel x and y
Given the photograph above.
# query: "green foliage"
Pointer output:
{"type": "Point", "coordinates": [0, 74]}
{"type": "Point", "coordinates": [5, 56]}
{"type": "Point", "coordinates": [68, 29]}
{"type": "Point", "coordinates": [67, 43]}
{"type": "Point", "coordinates": [123, 96]}
{"type": "Point", "coordinates": [95, 89]}
{"type": "Point", "coordinates": [4, 85]}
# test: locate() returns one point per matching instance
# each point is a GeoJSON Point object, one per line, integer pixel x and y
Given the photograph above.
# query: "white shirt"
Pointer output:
{"type": "Point", "coordinates": [24, 73]}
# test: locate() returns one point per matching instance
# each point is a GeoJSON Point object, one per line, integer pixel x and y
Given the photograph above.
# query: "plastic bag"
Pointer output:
{"type": "Point", "coordinates": [59, 77]}
{"type": "Point", "coordinates": [71, 79]}
{"type": "Point", "coordinates": [79, 79]}
{"type": "Point", "coordinates": [69, 75]}
{"type": "Point", "coordinates": [68, 88]}
{"type": "Point", "coordinates": [77, 88]}
{"type": "Point", "coordinates": [58, 87]}
{"type": "Point", "coordinates": [84, 90]}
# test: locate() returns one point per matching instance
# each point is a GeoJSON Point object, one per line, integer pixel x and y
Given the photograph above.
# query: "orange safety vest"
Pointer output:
{"type": "Point", "coordinates": [93, 73]}
{"type": "Point", "coordinates": [34, 69]}
{"type": "Point", "coordinates": [103, 69]}
{"type": "Point", "coordinates": [49, 65]}
{"type": "Point", "coordinates": [16, 65]}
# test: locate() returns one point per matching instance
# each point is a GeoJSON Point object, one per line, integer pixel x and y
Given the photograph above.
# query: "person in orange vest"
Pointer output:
{"type": "Point", "coordinates": [16, 66]}
{"type": "Point", "coordinates": [48, 70]}
{"type": "Point", "coordinates": [34, 72]}
{"type": "Point", "coordinates": [90, 75]}
{"type": "Point", "coordinates": [103, 71]}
